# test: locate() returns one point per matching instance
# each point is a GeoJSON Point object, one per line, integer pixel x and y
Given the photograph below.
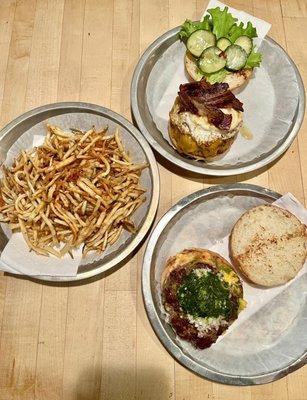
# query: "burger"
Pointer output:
{"type": "Point", "coordinates": [205, 119]}
{"type": "Point", "coordinates": [219, 49]}
{"type": "Point", "coordinates": [202, 295]}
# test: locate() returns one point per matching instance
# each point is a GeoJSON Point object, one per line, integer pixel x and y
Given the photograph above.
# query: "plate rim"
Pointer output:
{"type": "Point", "coordinates": [203, 170]}
{"type": "Point", "coordinates": [174, 350]}
{"type": "Point", "coordinates": [153, 206]}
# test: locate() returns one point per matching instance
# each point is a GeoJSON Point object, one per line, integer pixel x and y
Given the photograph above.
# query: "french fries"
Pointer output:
{"type": "Point", "coordinates": [77, 189]}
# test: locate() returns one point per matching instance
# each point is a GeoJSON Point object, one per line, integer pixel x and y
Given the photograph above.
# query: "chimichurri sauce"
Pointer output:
{"type": "Point", "coordinates": [204, 296]}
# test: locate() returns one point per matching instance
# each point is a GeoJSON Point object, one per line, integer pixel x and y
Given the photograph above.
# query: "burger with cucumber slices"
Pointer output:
{"type": "Point", "coordinates": [219, 49]}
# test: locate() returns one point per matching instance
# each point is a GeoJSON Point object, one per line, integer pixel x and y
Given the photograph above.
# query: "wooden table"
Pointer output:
{"type": "Point", "coordinates": [93, 340]}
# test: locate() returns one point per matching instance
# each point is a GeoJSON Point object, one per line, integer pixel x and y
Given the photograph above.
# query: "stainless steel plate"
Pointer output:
{"type": "Point", "coordinates": [274, 104]}
{"type": "Point", "coordinates": [82, 116]}
{"type": "Point", "coordinates": [271, 342]}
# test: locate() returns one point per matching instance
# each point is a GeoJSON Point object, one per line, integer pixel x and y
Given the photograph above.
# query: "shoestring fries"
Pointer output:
{"type": "Point", "coordinates": [77, 189]}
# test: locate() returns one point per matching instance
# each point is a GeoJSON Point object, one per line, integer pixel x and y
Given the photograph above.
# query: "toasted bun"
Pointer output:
{"type": "Point", "coordinates": [268, 245]}
{"type": "Point", "coordinates": [192, 68]}
{"type": "Point", "coordinates": [193, 255]}
{"type": "Point", "coordinates": [238, 79]}
{"type": "Point", "coordinates": [234, 79]}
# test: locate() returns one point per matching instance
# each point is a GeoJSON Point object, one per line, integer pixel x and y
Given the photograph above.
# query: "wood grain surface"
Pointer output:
{"type": "Point", "coordinates": [92, 340]}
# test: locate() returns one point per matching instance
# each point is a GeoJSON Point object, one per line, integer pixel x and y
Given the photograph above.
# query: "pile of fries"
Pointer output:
{"type": "Point", "coordinates": [77, 189]}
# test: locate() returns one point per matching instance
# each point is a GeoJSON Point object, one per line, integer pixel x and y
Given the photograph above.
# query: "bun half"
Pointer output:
{"type": "Point", "coordinates": [268, 245]}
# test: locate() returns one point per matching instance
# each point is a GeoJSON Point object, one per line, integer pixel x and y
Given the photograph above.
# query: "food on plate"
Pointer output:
{"type": "Point", "coordinates": [202, 295]}
{"type": "Point", "coordinates": [268, 245]}
{"type": "Point", "coordinates": [219, 49]}
{"type": "Point", "coordinates": [205, 119]}
{"type": "Point", "coordinates": [77, 189]}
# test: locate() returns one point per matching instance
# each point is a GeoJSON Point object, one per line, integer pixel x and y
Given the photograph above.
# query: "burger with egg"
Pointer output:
{"type": "Point", "coordinates": [205, 119]}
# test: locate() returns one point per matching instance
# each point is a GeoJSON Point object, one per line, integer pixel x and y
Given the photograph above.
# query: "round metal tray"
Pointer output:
{"type": "Point", "coordinates": [239, 164]}
{"type": "Point", "coordinates": [87, 114]}
{"type": "Point", "coordinates": [266, 347]}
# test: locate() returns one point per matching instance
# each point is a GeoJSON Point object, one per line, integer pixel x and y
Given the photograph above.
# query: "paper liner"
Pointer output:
{"type": "Point", "coordinates": [262, 27]}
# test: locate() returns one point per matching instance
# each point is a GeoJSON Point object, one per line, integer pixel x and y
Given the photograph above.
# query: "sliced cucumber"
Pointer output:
{"type": "Point", "coordinates": [246, 43]}
{"type": "Point", "coordinates": [199, 40]}
{"type": "Point", "coordinates": [211, 60]}
{"type": "Point", "coordinates": [192, 67]}
{"type": "Point", "coordinates": [223, 43]}
{"type": "Point", "coordinates": [236, 57]}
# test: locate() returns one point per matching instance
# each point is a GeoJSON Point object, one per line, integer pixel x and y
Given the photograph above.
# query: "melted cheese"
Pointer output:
{"type": "Point", "coordinates": [201, 130]}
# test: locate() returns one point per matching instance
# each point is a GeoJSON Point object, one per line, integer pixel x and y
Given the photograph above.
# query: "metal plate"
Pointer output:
{"type": "Point", "coordinates": [272, 51]}
{"type": "Point", "coordinates": [265, 347]}
{"type": "Point", "coordinates": [84, 114]}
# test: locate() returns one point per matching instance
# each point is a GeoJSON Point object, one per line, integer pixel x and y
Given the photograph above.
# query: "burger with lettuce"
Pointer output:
{"type": "Point", "coordinates": [219, 49]}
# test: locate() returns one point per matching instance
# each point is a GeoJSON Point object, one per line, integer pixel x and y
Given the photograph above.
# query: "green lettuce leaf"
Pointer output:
{"type": "Point", "coordinates": [222, 21]}
{"type": "Point", "coordinates": [189, 27]}
{"type": "Point", "coordinates": [216, 76]}
{"type": "Point", "coordinates": [239, 30]}
{"type": "Point", "coordinates": [222, 24]}
{"type": "Point", "coordinates": [253, 60]}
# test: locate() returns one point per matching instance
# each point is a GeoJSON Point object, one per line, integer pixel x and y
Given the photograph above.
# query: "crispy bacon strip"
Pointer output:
{"type": "Point", "coordinates": [203, 99]}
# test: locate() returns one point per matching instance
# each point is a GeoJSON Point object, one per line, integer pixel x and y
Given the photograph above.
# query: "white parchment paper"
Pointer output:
{"type": "Point", "coordinates": [262, 337]}
{"type": "Point", "coordinates": [16, 255]}
{"type": "Point", "coordinates": [270, 98]}
{"type": "Point", "coordinates": [15, 252]}
{"type": "Point", "coordinates": [20, 261]}
{"type": "Point", "coordinates": [262, 27]}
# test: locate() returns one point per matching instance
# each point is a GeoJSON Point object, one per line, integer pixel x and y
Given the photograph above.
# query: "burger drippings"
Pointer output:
{"type": "Point", "coordinates": [203, 99]}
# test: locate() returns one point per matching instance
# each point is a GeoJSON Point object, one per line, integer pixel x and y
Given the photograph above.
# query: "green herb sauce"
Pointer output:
{"type": "Point", "coordinates": [204, 296]}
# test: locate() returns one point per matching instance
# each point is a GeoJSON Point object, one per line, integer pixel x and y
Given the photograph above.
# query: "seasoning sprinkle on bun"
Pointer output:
{"type": "Point", "coordinates": [268, 245]}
